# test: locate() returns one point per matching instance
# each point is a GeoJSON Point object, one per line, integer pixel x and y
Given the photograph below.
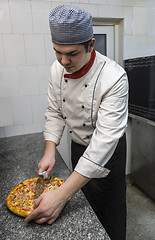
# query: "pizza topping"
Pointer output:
{"type": "Point", "coordinates": [12, 197]}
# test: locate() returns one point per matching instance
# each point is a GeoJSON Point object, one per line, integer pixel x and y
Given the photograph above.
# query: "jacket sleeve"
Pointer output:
{"type": "Point", "coordinates": [110, 127]}
{"type": "Point", "coordinates": [54, 122]}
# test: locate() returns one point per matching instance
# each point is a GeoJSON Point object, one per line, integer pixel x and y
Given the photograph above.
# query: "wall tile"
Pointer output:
{"type": "Point", "coordinates": [91, 8]}
{"type": "Point", "coordinates": [151, 21]}
{"type": "Point", "coordinates": [8, 82]}
{"type": "Point", "coordinates": [28, 82]}
{"type": "Point", "coordinates": [22, 110]}
{"type": "Point", "coordinates": [14, 50]}
{"type": "Point", "coordinates": [110, 11]}
{"type": "Point", "coordinates": [139, 3]}
{"type": "Point", "coordinates": [5, 21]}
{"type": "Point", "coordinates": [32, 128]}
{"type": "Point", "coordinates": [138, 46]}
{"type": "Point", "coordinates": [83, 1]}
{"type": "Point", "coordinates": [15, 130]}
{"type": "Point", "coordinates": [97, 1]}
{"type": "Point", "coordinates": [50, 54]}
{"type": "Point", "coordinates": [43, 78]}
{"type": "Point", "coordinates": [6, 116]}
{"type": "Point", "coordinates": [35, 50]}
{"type": "Point", "coordinates": [55, 4]}
{"type": "Point", "coordinates": [128, 20]}
{"type": "Point", "coordinates": [21, 16]}
{"type": "Point", "coordinates": [139, 21]}
{"type": "Point", "coordinates": [69, 1]}
{"type": "Point", "coordinates": [39, 105]}
{"type": "Point", "coordinates": [115, 2]}
{"type": "Point", "coordinates": [2, 132]}
{"type": "Point", "coordinates": [10, 131]}
{"type": "Point", "coordinates": [40, 13]}
{"type": "Point", "coordinates": [2, 57]}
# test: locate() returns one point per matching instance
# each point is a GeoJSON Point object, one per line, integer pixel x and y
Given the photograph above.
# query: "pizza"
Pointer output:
{"type": "Point", "coordinates": [21, 199]}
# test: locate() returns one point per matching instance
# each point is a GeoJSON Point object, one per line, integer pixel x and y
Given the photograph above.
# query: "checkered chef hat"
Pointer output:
{"type": "Point", "coordinates": [70, 25]}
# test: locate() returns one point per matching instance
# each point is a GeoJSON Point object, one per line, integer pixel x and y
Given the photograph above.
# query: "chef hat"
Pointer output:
{"type": "Point", "coordinates": [70, 25]}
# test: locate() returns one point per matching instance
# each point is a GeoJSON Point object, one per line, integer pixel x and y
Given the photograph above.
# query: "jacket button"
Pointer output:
{"type": "Point", "coordinates": [64, 100]}
{"type": "Point", "coordinates": [87, 136]}
{"type": "Point", "coordinates": [70, 131]}
{"type": "Point", "coordinates": [65, 117]}
{"type": "Point", "coordinates": [84, 124]}
{"type": "Point", "coordinates": [66, 80]}
{"type": "Point", "coordinates": [85, 85]}
{"type": "Point", "coordinates": [82, 106]}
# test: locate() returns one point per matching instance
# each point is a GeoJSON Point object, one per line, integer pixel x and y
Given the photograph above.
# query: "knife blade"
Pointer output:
{"type": "Point", "coordinates": [39, 188]}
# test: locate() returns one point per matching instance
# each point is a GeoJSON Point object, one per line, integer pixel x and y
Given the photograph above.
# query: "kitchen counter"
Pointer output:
{"type": "Point", "coordinates": [19, 157]}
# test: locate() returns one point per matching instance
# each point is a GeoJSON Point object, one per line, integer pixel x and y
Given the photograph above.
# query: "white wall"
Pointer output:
{"type": "Point", "coordinates": [26, 54]}
{"type": "Point", "coordinates": [25, 59]}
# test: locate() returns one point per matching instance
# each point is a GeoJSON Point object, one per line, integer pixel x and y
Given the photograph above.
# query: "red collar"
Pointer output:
{"type": "Point", "coordinates": [83, 70]}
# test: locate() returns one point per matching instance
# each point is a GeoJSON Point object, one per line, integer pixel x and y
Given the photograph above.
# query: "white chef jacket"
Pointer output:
{"type": "Point", "coordinates": [95, 108]}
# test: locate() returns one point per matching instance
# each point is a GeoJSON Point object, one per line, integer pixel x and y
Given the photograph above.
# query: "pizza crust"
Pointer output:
{"type": "Point", "coordinates": [18, 212]}
{"type": "Point", "coordinates": [23, 195]}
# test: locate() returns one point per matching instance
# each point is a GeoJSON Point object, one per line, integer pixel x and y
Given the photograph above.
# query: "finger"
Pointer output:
{"type": "Point", "coordinates": [51, 220]}
{"type": "Point", "coordinates": [41, 220]}
{"type": "Point", "coordinates": [33, 215]}
{"type": "Point", "coordinates": [37, 202]}
{"type": "Point", "coordinates": [41, 167]}
{"type": "Point", "coordinates": [48, 172]}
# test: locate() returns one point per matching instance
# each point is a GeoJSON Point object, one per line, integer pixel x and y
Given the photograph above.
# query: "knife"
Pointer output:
{"type": "Point", "coordinates": [39, 188]}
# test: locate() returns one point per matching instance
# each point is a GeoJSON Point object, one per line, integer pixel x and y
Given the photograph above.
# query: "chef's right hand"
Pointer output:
{"type": "Point", "coordinates": [46, 164]}
{"type": "Point", "coordinates": [48, 160]}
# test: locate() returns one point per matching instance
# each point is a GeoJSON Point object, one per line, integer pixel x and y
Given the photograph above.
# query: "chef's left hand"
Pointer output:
{"type": "Point", "coordinates": [47, 207]}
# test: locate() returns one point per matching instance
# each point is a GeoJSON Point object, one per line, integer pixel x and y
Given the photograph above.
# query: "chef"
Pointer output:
{"type": "Point", "coordinates": [88, 93]}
